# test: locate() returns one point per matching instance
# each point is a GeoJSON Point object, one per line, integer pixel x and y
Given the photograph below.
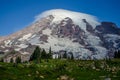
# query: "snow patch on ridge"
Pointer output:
{"type": "Point", "coordinates": [47, 31]}
{"type": "Point", "coordinates": [8, 43]}
{"type": "Point", "coordinates": [22, 46]}
{"type": "Point", "coordinates": [112, 38]}
{"type": "Point", "coordinates": [2, 46]}
{"type": "Point", "coordinates": [25, 37]}
{"type": "Point", "coordinates": [60, 14]}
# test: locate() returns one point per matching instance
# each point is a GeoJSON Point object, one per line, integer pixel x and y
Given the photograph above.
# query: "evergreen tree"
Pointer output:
{"type": "Point", "coordinates": [44, 54]}
{"type": "Point", "coordinates": [117, 54]}
{"type": "Point", "coordinates": [36, 55]}
{"type": "Point", "coordinates": [65, 55]}
{"type": "Point", "coordinates": [50, 53]}
{"type": "Point", "coordinates": [1, 60]}
{"type": "Point", "coordinates": [11, 60]}
{"type": "Point", "coordinates": [18, 60]}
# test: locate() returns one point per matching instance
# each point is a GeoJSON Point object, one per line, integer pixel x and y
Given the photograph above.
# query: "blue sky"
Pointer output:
{"type": "Point", "coordinates": [17, 14]}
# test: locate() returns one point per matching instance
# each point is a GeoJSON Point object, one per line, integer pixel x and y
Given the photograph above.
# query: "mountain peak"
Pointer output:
{"type": "Point", "coordinates": [77, 17]}
{"type": "Point", "coordinates": [66, 31]}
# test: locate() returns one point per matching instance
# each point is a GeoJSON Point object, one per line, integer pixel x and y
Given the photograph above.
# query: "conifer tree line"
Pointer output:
{"type": "Point", "coordinates": [17, 60]}
{"type": "Point", "coordinates": [117, 54]}
{"type": "Point", "coordinates": [39, 54]}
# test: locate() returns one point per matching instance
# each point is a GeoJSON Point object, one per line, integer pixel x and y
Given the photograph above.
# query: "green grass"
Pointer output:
{"type": "Point", "coordinates": [52, 70]}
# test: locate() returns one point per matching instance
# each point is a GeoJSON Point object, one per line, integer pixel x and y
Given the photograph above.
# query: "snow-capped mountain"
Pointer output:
{"type": "Point", "coordinates": [66, 31]}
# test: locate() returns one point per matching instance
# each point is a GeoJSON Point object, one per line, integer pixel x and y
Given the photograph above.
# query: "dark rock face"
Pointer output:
{"type": "Point", "coordinates": [44, 38]}
{"type": "Point", "coordinates": [65, 27]}
{"type": "Point", "coordinates": [89, 27]}
{"type": "Point", "coordinates": [108, 28]}
{"type": "Point", "coordinates": [109, 33]}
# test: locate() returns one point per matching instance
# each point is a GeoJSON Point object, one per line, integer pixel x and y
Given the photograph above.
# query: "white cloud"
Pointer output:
{"type": "Point", "coordinates": [77, 17]}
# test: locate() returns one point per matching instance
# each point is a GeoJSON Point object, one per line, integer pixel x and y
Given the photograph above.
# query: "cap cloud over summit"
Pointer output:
{"type": "Point", "coordinates": [77, 17]}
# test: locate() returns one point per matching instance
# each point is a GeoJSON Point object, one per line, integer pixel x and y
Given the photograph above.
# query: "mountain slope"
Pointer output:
{"type": "Point", "coordinates": [66, 32]}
